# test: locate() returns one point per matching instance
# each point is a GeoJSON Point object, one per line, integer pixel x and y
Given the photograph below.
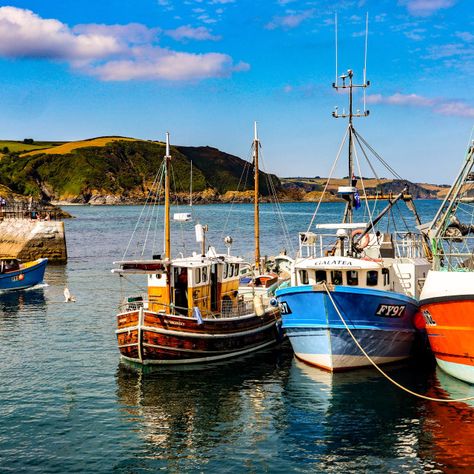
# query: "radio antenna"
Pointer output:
{"type": "Point", "coordinates": [365, 54]}
{"type": "Point", "coordinates": [335, 22]}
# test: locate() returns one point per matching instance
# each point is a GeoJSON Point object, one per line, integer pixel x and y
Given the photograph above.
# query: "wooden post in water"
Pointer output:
{"type": "Point", "coordinates": [256, 144]}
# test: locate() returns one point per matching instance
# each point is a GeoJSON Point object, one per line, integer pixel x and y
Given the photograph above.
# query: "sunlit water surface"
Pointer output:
{"type": "Point", "coordinates": [67, 404]}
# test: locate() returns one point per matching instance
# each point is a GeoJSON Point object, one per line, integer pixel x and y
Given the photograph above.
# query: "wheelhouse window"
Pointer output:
{"type": "Point", "coordinates": [352, 277]}
{"type": "Point", "coordinates": [386, 276]}
{"type": "Point", "coordinates": [321, 276]}
{"type": "Point", "coordinates": [224, 270]}
{"type": "Point", "coordinates": [304, 277]}
{"type": "Point", "coordinates": [336, 277]}
{"type": "Point", "coordinates": [372, 278]}
{"type": "Point", "coordinates": [204, 275]}
{"type": "Point", "coordinates": [198, 275]}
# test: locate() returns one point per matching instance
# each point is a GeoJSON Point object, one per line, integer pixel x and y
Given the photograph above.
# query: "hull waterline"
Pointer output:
{"type": "Point", "coordinates": [319, 337]}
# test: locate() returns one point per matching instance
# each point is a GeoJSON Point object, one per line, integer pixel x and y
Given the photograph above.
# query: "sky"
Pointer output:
{"type": "Point", "coordinates": [204, 70]}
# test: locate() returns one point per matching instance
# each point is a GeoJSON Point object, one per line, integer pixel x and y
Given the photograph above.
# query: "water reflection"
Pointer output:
{"type": "Point", "coordinates": [14, 302]}
{"type": "Point", "coordinates": [186, 415]}
{"type": "Point", "coordinates": [351, 420]}
{"type": "Point", "coordinates": [448, 439]}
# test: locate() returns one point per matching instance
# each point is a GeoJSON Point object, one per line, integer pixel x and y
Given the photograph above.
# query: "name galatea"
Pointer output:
{"type": "Point", "coordinates": [341, 262]}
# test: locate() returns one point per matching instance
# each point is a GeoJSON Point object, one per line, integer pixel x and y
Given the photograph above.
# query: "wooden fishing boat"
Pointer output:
{"type": "Point", "coordinates": [15, 275]}
{"type": "Point", "coordinates": [192, 311]}
{"type": "Point", "coordinates": [447, 299]}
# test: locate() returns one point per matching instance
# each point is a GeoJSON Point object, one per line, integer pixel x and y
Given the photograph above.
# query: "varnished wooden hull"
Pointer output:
{"type": "Point", "coordinates": [156, 338]}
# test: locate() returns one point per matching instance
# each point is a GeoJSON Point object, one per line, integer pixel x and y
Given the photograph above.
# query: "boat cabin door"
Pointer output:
{"type": "Point", "coordinates": [214, 297]}
{"type": "Point", "coordinates": [181, 289]}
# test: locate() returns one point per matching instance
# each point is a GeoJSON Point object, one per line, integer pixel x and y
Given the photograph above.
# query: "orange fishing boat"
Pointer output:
{"type": "Point", "coordinates": [447, 299]}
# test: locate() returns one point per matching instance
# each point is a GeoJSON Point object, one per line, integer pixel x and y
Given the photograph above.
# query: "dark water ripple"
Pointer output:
{"type": "Point", "coordinates": [68, 405]}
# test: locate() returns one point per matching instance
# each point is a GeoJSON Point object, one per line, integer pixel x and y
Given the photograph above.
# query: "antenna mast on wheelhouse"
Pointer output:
{"type": "Point", "coordinates": [349, 191]}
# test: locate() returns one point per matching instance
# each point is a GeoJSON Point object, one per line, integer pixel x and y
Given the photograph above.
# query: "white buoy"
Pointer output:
{"type": "Point", "coordinates": [68, 298]}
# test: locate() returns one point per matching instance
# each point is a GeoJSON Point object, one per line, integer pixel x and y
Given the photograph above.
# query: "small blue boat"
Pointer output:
{"type": "Point", "coordinates": [15, 275]}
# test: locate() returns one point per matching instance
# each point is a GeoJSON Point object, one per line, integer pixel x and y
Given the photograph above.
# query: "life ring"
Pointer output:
{"type": "Point", "coordinates": [364, 241]}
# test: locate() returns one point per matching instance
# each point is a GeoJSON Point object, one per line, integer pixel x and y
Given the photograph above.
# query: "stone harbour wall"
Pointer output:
{"type": "Point", "coordinates": [29, 239]}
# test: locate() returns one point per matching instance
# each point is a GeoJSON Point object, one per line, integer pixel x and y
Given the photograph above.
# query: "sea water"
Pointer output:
{"type": "Point", "coordinates": [67, 403]}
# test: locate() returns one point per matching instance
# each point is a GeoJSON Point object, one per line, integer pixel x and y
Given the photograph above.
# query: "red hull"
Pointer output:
{"type": "Point", "coordinates": [155, 338]}
{"type": "Point", "coordinates": [450, 328]}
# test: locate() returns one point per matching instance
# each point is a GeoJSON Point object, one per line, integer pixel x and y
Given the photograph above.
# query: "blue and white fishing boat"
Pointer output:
{"type": "Point", "coordinates": [349, 275]}
{"type": "Point", "coordinates": [15, 275]}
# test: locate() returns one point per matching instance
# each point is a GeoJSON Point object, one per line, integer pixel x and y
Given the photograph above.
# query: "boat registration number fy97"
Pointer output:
{"type": "Point", "coordinates": [390, 310]}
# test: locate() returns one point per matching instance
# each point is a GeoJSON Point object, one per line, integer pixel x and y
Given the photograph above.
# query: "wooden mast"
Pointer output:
{"type": "Point", "coordinates": [167, 200]}
{"type": "Point", "coordinates": [256, 144]}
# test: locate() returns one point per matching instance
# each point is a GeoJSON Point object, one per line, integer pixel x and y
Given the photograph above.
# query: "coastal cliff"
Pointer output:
{"type": "Point", "coordinates": [121, 170]}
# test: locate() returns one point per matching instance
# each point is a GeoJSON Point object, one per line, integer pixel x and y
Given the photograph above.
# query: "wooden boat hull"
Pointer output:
{"type": "Point", "coordinates": [447, 305]}
{"type": "Point", "coordinates": [147, 337]}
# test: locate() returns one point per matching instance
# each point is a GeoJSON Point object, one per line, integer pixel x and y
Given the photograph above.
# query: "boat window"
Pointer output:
{"type": "Point", "coordinates": [204, 274]}
{"type": "Point", "coordinates": [320, 275]}
{"type": "Point", "coordinates": [224, 270]}
{"type": "Point", "coordinates": [236, 272]}
{"type": "Point", "coordinates": [386, 276]}
{"type": "Point", "coordinates": [304, 277]}
{"type": "Point", "coordinates": [198, 275]}
{"type": "Point", "coordinates": [352, 277]}
{"type": "Point", "coordinates": [336, 277]}
{"type": "Point", "coordinates": [230, 270]}
{"type": "Point", "coordinates": [158, 276]}
{"type": "Point", "coordinates": [372, 277]}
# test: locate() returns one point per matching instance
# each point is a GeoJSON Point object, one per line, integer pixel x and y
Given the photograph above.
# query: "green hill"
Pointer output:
{"type": "Point", "coordinates": [118, 167]}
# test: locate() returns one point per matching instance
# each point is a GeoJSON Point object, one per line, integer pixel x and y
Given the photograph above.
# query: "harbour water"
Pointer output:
{"type": "Point", "coordinates": [67, 404]}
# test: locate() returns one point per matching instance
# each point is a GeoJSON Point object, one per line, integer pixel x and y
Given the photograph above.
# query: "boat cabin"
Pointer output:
{"type": "Point", "coordinates": [9, 265]}
{"type": "Point", "coordinates": [209, 284]}
{"type": "Point", "coordinates": [342, 271]}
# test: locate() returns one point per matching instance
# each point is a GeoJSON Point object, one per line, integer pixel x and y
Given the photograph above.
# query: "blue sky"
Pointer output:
{"type": "Point", "coordinates": [206, 69]}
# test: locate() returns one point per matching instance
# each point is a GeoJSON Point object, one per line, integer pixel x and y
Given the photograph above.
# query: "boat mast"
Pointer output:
{"type": "Point", "coordinates": [256, 144]}
{"type": "Point", "coordinates": [348, 212]}
{"type": "Point", "coordinates": [167, 200]}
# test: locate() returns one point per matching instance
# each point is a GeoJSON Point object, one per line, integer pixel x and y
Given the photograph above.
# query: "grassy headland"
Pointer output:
{"type": "Point", "coordinates": [120, 170]}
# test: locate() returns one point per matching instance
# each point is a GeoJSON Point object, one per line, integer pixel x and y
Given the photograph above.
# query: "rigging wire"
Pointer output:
{"type": "Point", "coordinates": [329, 178]}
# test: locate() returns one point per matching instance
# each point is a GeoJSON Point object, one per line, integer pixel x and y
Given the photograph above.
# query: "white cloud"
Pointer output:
{"type": "Point", "coordinates": [25, 34]}
{"type": "Point", "coordinates": [171, 66]}
{"type": "Point", "coordinates": [291, 20]}
{"type": "Point", "coordinates": [187, 32]}
{"type": "Point", "coordinates": [111, 52]}
{"type": "Point", "coordinates": [439, 106]}
{"type": "Point", "coordinates": [426, 7]}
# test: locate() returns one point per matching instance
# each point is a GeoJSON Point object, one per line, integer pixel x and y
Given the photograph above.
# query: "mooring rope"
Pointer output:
{"type": "Point", "coordinates": [419, 395]}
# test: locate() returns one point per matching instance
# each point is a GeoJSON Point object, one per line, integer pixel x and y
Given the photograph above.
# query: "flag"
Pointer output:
{"type": "Point", "coordinates": [357, 199]}
{"type": "Point", "coordinates": [197, 315]}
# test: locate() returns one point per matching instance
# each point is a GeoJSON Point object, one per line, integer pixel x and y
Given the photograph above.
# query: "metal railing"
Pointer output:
{"type": "Point", "coordinates": [405, 244]}
{"type": "Point", "coordinates": [12, 209]}
{"type": "Point", "coordinates": [229, 308]}
{"type": "Point", "coordinates": [454, 253]}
